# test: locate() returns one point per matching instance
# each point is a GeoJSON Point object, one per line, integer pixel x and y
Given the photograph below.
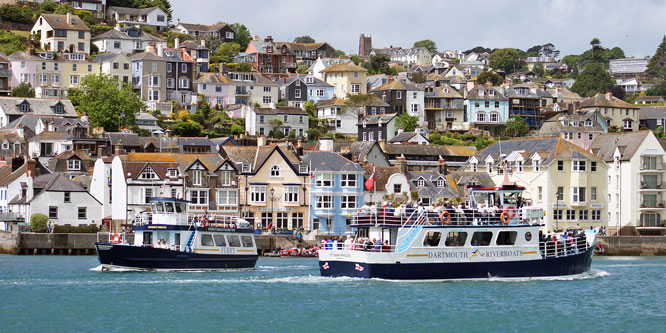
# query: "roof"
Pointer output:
{"type": "Point", "coordinates": [547, 148]}
{"type": "Point", "coordinates": [344, 67]}
{"type": "Point", "coordinates": [361, 149]}
{"type": "Point", "coordinates": [376, 119]}
{"type": "Point", "coordinates": [652, 112]}
{"type": "Point", "coordinates": [146, 56]}
{"type": "Point", "coordinates": [281, 110]}
{"type": "Point", "coordinates": [431, 150]}
{"type": "Point", "coordinates": [38, 106]}
{"type": "Point", "coordinates": [202, 27]}
{"type": "Point", "coordinates": [332, 101]}
{"type": "Point", "coordinates": [192, 45]}
{"type": "Point", "coordinates": [122, 34]}
{"type": "Point", "coordinates": [396, 85]}
{"type": "Point", "coordinates": [128, 139]}
{"type": "Point", "coordinates": [239, 154]}
{"type": "Point", "coordinates": [57, 21]}
{"type": "Point", "coordinates": [305, 46]}
{"type": "Point", "coordinates": [403, 137]}
{"type": "Point", "coordinates": [474, 93]}
{"type": "Point", "coordinates": [606, 101]}
{"type": "Point", "coordinates": [106, 57]}
{"type": "Point", "coordinates": [11, 176]}
{"type": "Point", "coordinates": [329, 161]}
{"type": "Point", "coordinates": [555, 126]}
{"type": "Point", "coordinates": [605, 145]}
{"type": "Point", "coordinates": [649, 98]}
{"type": "Point", "coordinates": [431, 189]}
{"type": "Point", "coordinates": [628, 65]}
{"type": "Point", "coordinates": [57, 182]}
{"type": "Point", "coordinates": [132, 11]}
{"type": "Point", "coordinates": [382, 175]}
{"type": "Point", "coordinates": [212, 78]}
{"type": "Point", "coordinates": [198, 141]}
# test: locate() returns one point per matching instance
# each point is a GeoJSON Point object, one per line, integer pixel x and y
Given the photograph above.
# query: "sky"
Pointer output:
{"type": "Point", "coordinates": [635, 26]}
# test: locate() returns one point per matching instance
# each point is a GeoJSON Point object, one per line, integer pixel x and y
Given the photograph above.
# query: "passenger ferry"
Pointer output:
{"type": "Point", "coordinates": [169, 238]}
{"type": "Point", "coordinates": [508, 241]}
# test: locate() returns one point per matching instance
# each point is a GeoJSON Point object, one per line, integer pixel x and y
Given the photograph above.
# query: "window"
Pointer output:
{"type": "Point", "coordinates": [257, 193]}
{"type": "Point", "coordinates": [481, 117]}
{"type": "Point", "coordinates": [456, 238]}
{"type": "Point", "coordinates": [275, 171]}
{"type": "Point", "coordinates": [348, 180]}
{"type": "Point", "coordinates": [116, 45]}
{"type": "Point", "coordinates": [397, 188]}
{"type": "Point", "coordinates": [482, 238]}
{"type": "Point", "coordinates": [297, 220]}
{"type": "Point", "coordinates": [266, 99]}
{"type": "Point", "coordinates": [207, 240]}
{"type": "Point", "coordinates": [184, 83]}
{"type": "Point", "coordinates": [578, 194]}
{"type": "Point", "coordinates": [148, 173]}
{"type": "Point", "coordinates": [291, 194]}
{"type": "Point", "coordinates": [489, 166]}
{"type": "Point", "coordinates": [198, 197]}
{"type": "Point", "coordinates": [560, 165]}
{"type": "Point", "coordinates": [557, 214]}
{"type": "Point", "coordinates": [169, 67]}
{"type": "Point", "coordinates": [320, 92]}
{"type": "Point", "coordinates": [539, 193]}
{"type": "Point", "coordinates": [183, 68]}
{"type": "Point", "coordinates": [197, 177]}
{"type": "Point", "coordinates": [282, 221]}
{"type": "Point", "coordinates": [147, 194]}
{"type": "Point", "coordinates": [43, 78]}
{"type": "Point", "coordinates": [266, 219]}
{"type": "Point", "coordinates": [365, 136]}
{"type": "Point", "coordinates": [507, 237]}
{"type": "Point", "coordinates": [285, 119]}
{"type": "Point", "coordinates": [160, 18]}
{"type": "Point", "coordinates": [593, 166]}
{"type": "Point", "coordinates": [579, 166]}
{"type": "Point", "coordinates": [233, 240]}
{"type": "Point", "coordinates": [153, 95]}
{"type": "Point", "coordinates": [324, 180]}
{"type": "Point", "coordinates": [535, 166]}
{"type": "Point", "coordinates": [154, 66]}
{"type": "Point", "coordinates": [596, 215]}
{"type": "Point", "coordinates": [628, 124]}
{"type": "Point", "coordinates": [227, 197]}
{"type": "Point", "coordinates": [593, 194]}
{"type": "Point", "coordinates": [398, 94]}
{"type": "Point", "coordinates": [225, 178]}
{"type": "Point", "coordinates": [53, 212]}
{"type": "Point", "coordinates": [497, 104]}
{"type": "Point", "coordinates": [82, 213]}
{"type": "Point", "coordinates": [74, 79]}
{"type": "Point", "coordinates": [297, 94]}
{"type": "Point", "coordinates": [267, 89]}
{"type": "Point", "coordinates": [67, 197]}
{"type": "Point", "coordinates": [81, 47]}
{"type": "Point", "coordinates": [560, 193]}
{"type": "Point", "coordinates": [487, 104]}
{"type": "Point", "coordinates": [432, 238]}
{"type": "Point", "coordinates": [355, 88]}
{"type": "Point", "coordinates": [74, 67]}
{"type": "Point", "coordinates": [347, 202]}
{"type": "Point", "coordinates": [420, 183]}
{"type": "Point", "coordinates": [230, 35]}
{"type": "Point", "coordinates": [324, 202]}
{"type": "Point", "coordinates": [582, 214]}
{"type": "Point", "coordinates": [73, 165]}
{"type": "Point", "coordinates": [89, 68]}
{"type": "Point", "coordinates": [571, 214]}
{"type": "Point", "coordinates": [154, 81]}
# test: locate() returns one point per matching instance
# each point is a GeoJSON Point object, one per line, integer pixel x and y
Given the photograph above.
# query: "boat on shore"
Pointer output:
{"type": "Point", "coordinates": [508, 241]}
{"type": "Point", "coordinates": [168, 238]}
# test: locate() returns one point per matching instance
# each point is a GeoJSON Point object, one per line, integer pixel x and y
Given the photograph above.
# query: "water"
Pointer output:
{"type": "Point", "coordinates": [62, 293]}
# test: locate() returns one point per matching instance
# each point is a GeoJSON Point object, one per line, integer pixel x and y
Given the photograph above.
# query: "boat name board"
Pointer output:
{"type": "Point", "coordinates": [156, 227]}
{"type": "Point", "coordinates": [475, 254]}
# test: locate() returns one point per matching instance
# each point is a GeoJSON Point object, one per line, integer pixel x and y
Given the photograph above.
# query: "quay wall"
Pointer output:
{"type": "Point", "coordinates": [8, 242]}
{"type": "Point", "coordinates": [633, 245]}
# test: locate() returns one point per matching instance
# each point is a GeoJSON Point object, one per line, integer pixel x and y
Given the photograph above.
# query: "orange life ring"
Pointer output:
{"type": "Point", "coordinates": [204, 221]}
{"type": "Point", "coordinates": [505, 217]}
{"type": "Point", "coordinates": [115, 238]}
{"type": "Point", "coordinates": [448, 217]}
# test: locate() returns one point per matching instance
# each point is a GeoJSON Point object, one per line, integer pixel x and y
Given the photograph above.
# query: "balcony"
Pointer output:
{"type": "Point", "coordinates": [5, 72]}
{"type": "Point", "coordinates": [242, 92]}
{"type": "Point", "coordinates": [652, 168]}
{"type": "Point", "coordinates": [659, 205]}
{"type": "Point", "coordinates": [652, 187]}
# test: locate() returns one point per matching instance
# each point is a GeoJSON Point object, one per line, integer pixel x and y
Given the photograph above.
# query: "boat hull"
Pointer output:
{"type": "Point", "coordinates": [156, 258]}
{"type": "Point", "coordinates": [562, 266]}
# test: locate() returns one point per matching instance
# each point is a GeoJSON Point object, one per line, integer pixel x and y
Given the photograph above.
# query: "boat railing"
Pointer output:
{"type": "Point", "coordinates": [563, 247]}
{"type": "Point", "coordinates": [458, 216]}
{"type": "Point", "coordinates": [193, 220]}
{"type": "Point", "coordinates": [111, 237]}
{"type": "Point", "coordinates": [359, 246]}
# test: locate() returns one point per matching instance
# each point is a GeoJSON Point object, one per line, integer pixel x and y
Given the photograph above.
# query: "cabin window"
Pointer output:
{"type": "Point", "coordinates": [147, 238]}
{"type": "Point", "coordinates": [168, 207]}
{"type": "Point", "coordinates": [432, 239]}
{"type": "Point", "coordinates": [247, 241]}
{"type": "Point", "coordinates": [206, 240]}
{"type": "Point", "coordinates": [234, 240]}
{"type": "Point", "coordinates": [455, 238]}
{"type": "Point", "coordinates": [528, 236]}
{"type": "Point", "coordinates": [482, 238]}
{"type": "Point", "coordinates": [507, 237]}
{"type": "Point", "coordinates": [219, 240]}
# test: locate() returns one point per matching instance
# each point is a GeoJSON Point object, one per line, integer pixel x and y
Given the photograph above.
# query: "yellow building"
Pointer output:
{"type": "Point", "coordinates": [618, 113]}
{"type": "Point", "coordinates": [347, 78]}
{"type": "Point", "coordinates": [75, 67]}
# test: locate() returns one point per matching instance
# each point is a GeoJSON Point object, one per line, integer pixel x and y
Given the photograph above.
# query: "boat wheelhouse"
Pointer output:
{"type": "Point", "coordinates": [168, 237]}
{"type": "Point", "coordinates": [500, 235]}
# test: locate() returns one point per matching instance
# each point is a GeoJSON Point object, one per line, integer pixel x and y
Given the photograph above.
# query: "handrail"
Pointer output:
{"type": "Point", "coordinates": [563, 247]}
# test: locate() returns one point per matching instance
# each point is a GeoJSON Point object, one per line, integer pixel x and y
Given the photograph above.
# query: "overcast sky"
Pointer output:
{"type": "Point", "coordinates": [635, 26]}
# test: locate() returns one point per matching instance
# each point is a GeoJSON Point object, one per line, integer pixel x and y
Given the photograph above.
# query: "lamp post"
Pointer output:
{"type": "Point", "coordinates": [272, 213]}
{"type": "Point", "coordinates": [557, 205]}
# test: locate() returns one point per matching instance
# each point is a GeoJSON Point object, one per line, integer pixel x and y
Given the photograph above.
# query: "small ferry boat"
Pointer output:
{"type": "Point", "coordinates": [169, 238]}
{"type": "Point", "coordinates": [502, 236]}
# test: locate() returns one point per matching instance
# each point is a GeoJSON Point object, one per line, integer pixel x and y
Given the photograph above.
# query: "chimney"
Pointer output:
{"type": "Point", "coordinates": [176, 42]}
{"type": "Point", "coordinates": [100, 151]}
{"type": "Point", "coordinates": [326, 144]}
{"type": "Point", "coordinates": [400, 130]}
{"type": "Point", "coordinates": [120, 149]}
{"type": "Point", "coordinates": [401, 162]}
{"type": "Point", "coordinates": [441, 166]}
{"type": "Point", "coordinates": [160, 49]}
{"type": "Point", "coordinates": [69, 18]}
{"type": "Point", "coordinates": [382, 144]}
{"type": "Point", "coordinates": [609, 96]}
{"type": "Point", "coordinates": [268, 39]}
{"type": "Point", "coordinates": [261, 141]}
{"type": "Point", "coordinates": [255, 37]}
{"type": "Point", "coordinates": [31, 167]}
{"type": "Point", "coordinates": [203, 42]}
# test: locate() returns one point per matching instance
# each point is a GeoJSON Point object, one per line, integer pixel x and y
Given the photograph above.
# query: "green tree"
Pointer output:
{"type": "Point", "coordinates": [107, 103]}
{"type": "Point", "coordinates": [237, 130]}
{"type": "Point", "coordinates": [302, 67]}
{"type": "Point", "coordinates": [64, 9]}
{"type": "Point", "coordinates": [596, 50]}
{"type": "Point", "coordinates": [304, 40]}
{"type": "Point", "coordinates": [225, 53]}
{"type": "Point", "coordinates": [245, 67]}
{"type": "Point", "coordinates": [339, 53]}
{"type": "Point", "coordinates": [11, 42]}
{"type": "Point", "coordinates": [656, 69]}
{"type": "Point", "coordinates": [23, 90]}
{"type": "Point", "coordinates": [489, 76]}
{"type": "Point", "coordinates": [539, 70]}
{"type": "Point", "coordinates": [243, 36]}
{"type": "Point", "coordinates": [406, 122]}
{"type": "Point", "coordinates": [516, 126]}
{"type": "Point", "coordinates": [86, 17]}
{"type": "Point", "coordinates": [170, 37]}
{"type": "Point", "coordinates": [38, 222]}
{"type": "Point", "coordinates": [16, 14]}
{"type": "Point", "coordinates": [379, 64]}
{"type": "Point", "coordinates": [478, 49]}
{"type": "Point", "coordinates": [534, 51]}
{"type": "Point", "coordinates": [356, 59]}
{"type": "Point", "coordinates": [276, 123]}
{"type": "Point", "coordinates": [163, 4]}
{"type": "Point", "coordinates": [186, 128]}
{"type": "Point", "coordinates": [594, 79]}
{"type": "Point", "coordinates": [507, 59]}
{"type": "Point", "coordinates": [428, 44]}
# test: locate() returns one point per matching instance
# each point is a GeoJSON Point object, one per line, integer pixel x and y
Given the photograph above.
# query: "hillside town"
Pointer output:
{"type": "Point", "coordinates": [106, 104]}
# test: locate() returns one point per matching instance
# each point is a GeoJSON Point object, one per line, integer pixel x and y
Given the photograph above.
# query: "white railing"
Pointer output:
{"type": "Point", "coordinates": [563, 247]}
{"type": "Point", "coordinates": [367, 246]}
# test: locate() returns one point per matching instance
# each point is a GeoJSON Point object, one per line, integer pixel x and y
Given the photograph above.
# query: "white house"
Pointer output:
{"type": "Point", "coordinates": [259, 121]}
{"type": "Point", "coordinates": [127, 40]}
{"type": "Point", "coordinates": [60, 33]}
{"type": "Point", "coordinates": [154, 17]}
{"type": "Point", "coordinates": [64, 201]}
{"type": "Point", "coordinates": [340, 117]}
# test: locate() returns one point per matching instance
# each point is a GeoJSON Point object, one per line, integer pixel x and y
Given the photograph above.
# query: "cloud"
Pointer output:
{"type": "Point", "coordinates": [635, 27]}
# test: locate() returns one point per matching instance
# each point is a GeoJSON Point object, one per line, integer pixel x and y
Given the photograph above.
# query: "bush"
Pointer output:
{"type": "Point", "coordinates": [340, 136]}
{"type": "Point", "coordinates": [70, 229]}
{"type": "Point", "coordinates": [16, 14]}
{"type": "Point", "coordinates": [38, 222]}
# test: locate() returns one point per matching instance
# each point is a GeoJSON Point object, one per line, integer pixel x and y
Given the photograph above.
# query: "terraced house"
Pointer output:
{"type": "Point", "coordinates": [618, 113]}
{"type": "Point", "coordinates": [237, 88]}
{"type": "Point", "coordinates": [486, 108]}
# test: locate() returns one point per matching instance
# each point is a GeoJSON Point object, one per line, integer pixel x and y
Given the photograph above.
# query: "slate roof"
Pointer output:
{"type": "Point", "coordinates": [212, 78]}
{"type": "Point", "coordinates": [362, 148]}
{"type": "Point", "coordinates": [430, 150]}
{"type": "Point", "coordinates": [198, 141]}
{"type": "Point", "coordinates": [329, 161]}
{"type": "Point", "coordinates": [605, 145]}
{"type": "Point", "coordinates": [403, 137]}
{"type": "Point", "coordinates": [146, 56]}
{"type": "Point", "coordinates": [12, 176]}
{"type": "Point", "coordinates": [192, 45]}
{"type": "Point", "coordinates": [239, 154]}
{"type": "Point", "coordinates": [439, 92]}
{"type": "Point", "coordinates": [548, 149]}
{"type": "Point", "coordinates": [606, 101]}
{"type": "Point", "coordinates": [652, 112]}
{"type": "Point", "coordinates": [554, 125]}
{"type": "Point", "coordinates": [38, 106]}
{"type": "Point", "coordinates": [106, 57]}
{"type": "Point", "coordinates": [315, 81]}
{"type": "Point", "coordinates": [396, 85]}
{"type": "Point", "coordinates": [63, 157]}
{"type": "Point", "coordinates": [431, 190]}
{"type": "Point", "coordinates": [332, 101]}
{"type": "Point", "coordinates": [284, 110]}
{"type": "Point", "coordinates": [376, 119]}
{"type": "Point", "coordinates": [57, 21]}
{"type": "Point", "coordinates": [121, 34]}
{"type": "Point", "coordinates": [202, 27]}
{"type": "Point", "coordinates": [474, 93]}
{"type": "Point", "coordinates": [57, 182]}
{"type": "Point", "coordinates": [128, 139]}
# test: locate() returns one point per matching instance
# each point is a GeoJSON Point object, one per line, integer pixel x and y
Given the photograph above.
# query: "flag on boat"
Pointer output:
{"type": "Point", "coordinates": [325, 266]}
{"type": "Point", "coordinates": [370, 183]}
{"type": "Point", "coordinates": [359, 268]}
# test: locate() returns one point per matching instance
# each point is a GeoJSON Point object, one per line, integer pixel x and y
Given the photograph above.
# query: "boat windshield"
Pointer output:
{"type": "Point", "coordinates": [168, 207]}
{"type": "Point", "coordinates": [484, 198]}
{"type": "Point", "coordinates": [511, 198]}
{"type": "Point", "coordinates": [158, 207]}
{"type": "Point", "coordinates": [181, 207]}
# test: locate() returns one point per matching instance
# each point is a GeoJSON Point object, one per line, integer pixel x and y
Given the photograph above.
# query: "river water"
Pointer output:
{"type": "Point", "coordinates": [67, 293]}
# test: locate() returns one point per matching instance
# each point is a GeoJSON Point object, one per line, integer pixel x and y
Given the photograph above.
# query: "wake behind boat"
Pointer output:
{"type": "Point", "coordinates": [169, 238]}
{"type": "Point", "coordinates": [507, 242]}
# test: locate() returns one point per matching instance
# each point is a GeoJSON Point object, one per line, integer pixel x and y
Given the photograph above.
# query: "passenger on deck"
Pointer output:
{"type": "Point", "coordinates": [378, 245]}
{"type": "Point", "coordinates": [368, 245]}
{"type": "Point", "coordinates": [335, 244]}
{"type": "Point", "coordinates": [420, 208]}
{"type": "Point", "coordinates": [390, 210]}
{"type": "Point", "coordinates": [348, 245]}
{"type": "Point", "coordinates": [365, 210]}
{"type": "Point", "coordinates": [409, 208]}
{"type": "Point", "coordinates": [373, 209]}
{"type": "Point", "coordinates": [329, 244]}
{"type": "Point", "coordinates": [399, 211]}
{"type": "Point", "coordinates": [386, 247]}
{"type": "Point", "coordinates": [384, 208]}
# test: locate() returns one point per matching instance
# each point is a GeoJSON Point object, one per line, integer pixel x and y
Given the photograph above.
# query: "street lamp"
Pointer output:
{"type": "Point", "coordinates": [272, 199]}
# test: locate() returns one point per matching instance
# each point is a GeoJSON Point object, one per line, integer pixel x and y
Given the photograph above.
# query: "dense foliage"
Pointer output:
{"type": "Point", "coordinates": [38, 222]}
{"type": "Point", "coordinates": [516, 126]}
{"type": "Point", "coordinates": [489, 76]}
{"type": "Point", "coordinates": [594, 79]}
{"type": "Point", "coordinates": [406, 122]}
{"type": "Point", "coordinates": [24, 89]}
{"type": "Point", "coordinates": [657, 68]}
{"type": "Point", "coordinates": [507, 59]}
{"type": "Point", "coordinates": [428, 44]}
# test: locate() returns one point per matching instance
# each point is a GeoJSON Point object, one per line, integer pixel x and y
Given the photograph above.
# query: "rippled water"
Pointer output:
{"type": "Point", "coordinates": [67, 293]}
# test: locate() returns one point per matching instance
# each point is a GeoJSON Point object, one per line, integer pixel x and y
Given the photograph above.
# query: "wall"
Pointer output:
{"type": "Point", "coordinates": [634, 245]}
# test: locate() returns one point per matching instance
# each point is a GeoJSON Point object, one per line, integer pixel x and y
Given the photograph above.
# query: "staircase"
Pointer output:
{"type": "Point", "coordinates": [190, 241]}
{"type": "Point", "coordinates": [408, 231]}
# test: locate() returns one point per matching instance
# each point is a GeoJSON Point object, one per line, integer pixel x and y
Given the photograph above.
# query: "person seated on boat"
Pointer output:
{"type": "Point", "coordinates": [460, 210]}
{"type": "Point", "coordinates": [365, 210]}
{"type": "Point", "coordinates": [373, 209]}
{"type": "Point", "coordinates": [368, 245]}
{"type": "Point", "coordinates": [378, 245]}
{"type": "Point", "coordinates": [386, 247]}
{"type": "Point", "coordinates": [384, 208]}
{"type": "Point", "coordinates": [348, 245]}
{"type": "Point", "coordinates": [390, 210]}
{"type": "Point", "coordinates": [399, 211]}
{"type": "Point", "coordinates": [323, 243]}
{"type": "Point", "coordinates": [329, 244]}
{"type": "Point", "coordinates": [334, 245]}
{"type": "Point", "coordinates": [409, 209]}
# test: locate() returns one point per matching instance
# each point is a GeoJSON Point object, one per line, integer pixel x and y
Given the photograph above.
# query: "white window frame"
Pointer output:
{"type": "Point", "coordinates": [324, 180]}
{"type": "Point", "coordinates": [73, 165]}
{"type": "Point", "coordinates": [227, 197]}
{"type": "Point", "coordinates": [291, 194]}
{"type": "Point", "coordinates": [324, 202]}
{"type": "Point", "coordinates": [579, 166]}
{"type": "Point", "coordinates": [198, 197]}
{"type": "Point", "coordinates": [348, 202]}
{"type": "Point", "coordinates": [197, 178]}
{"type": "Point", "coordinates": [258, 193]}
{"type": "Point", "coordinates": [349, 180]}
{"type": "Point", "coordinates": [276, 171]}
{"type": "Point", "coordinates": [578, 194]}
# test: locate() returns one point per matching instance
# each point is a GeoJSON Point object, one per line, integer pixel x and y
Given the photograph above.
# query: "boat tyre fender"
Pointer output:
{"type": "Point", "coordinates": [115, 238]}
{"type": "Point", "coordinates": [448, 217]}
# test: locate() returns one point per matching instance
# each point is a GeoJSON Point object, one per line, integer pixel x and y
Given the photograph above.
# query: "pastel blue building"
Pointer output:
{"type": "Point", "coordinates": [336, 192]}
{"type": "Point", "coordinates": [486, 108]}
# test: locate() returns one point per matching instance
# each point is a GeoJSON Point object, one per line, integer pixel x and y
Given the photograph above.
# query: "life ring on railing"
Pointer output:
{"type": "Point", "coordinates": [505, 217]}
{"type": "Point", "coordinates": [204, 221]}
{"type": "Point", "coordinates": [115, 238]}
{"type": "Point", "coordinates": [448, 217]}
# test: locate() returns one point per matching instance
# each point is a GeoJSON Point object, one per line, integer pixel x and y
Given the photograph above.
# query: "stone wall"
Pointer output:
{"type": "Point", "coordinates": [634, 245]}
{"type": "Point", "coordinates": [8, 242]}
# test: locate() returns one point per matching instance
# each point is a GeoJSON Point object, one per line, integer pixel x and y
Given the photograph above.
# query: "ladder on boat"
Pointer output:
{"type": "Point", "coordinates": [190, 241]}
{"type": "Point", "coordinates": [409, 230]}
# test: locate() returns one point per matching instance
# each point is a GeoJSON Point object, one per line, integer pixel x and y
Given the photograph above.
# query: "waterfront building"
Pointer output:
{"type": "Point", "coordinates": [64, 201]}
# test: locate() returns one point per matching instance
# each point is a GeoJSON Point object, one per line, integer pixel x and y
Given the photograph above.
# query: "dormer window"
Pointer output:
{"type": "Point", "coordinates": [73, 165]}
{"type": "Point", "coordinates": [59, 109]}
{"type": "Point", "coordinates": [420, 182]}
{"type": "Point", "coordinates": [489, 166]}
{"type": "Point", "coordinates": [5, 145]}
{"type": "Point", "coordinates": [491, 92]}
{"type": "Point", "coordinates": [173, 173]}
{"type": "Point", "coordinates": [440, 183]}
{"type": "Point", "coordinates": [588, 123]}
{"type": "Point", "coordinates": [148, 173]}
{"type": "Point", "coordinates": [275, 171]}
{"type": "Point", "coordinates": [25, 107]}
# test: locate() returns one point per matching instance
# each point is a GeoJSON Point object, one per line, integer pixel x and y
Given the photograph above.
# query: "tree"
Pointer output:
{"type": "Point", "coordinates": [594, 79]}
{"type": "Point", "coordinates": [302, 67]}
{"type": "Point", "coordinates": [489, 76]}
{"type": "Point", "coordinates": [108, 103]}
{"type": "Point", "coordinates": [478, 49]}
{"type": "Point", "coordinates": [16, 14]}
{"type": "Point", "coordinates": [406, 122]}
{"type": "Point", "coordinates": [170, 37]}
{"type": "Point", "coordinates": [356, 59]}
{"type": "Point", "coordinates": [243, 36]}
{"type": "Point", "coordinates": [656, 68]}
{"type": "Point", "coordinates": [11, 42]}
{"type": "Point", "coordinates": [516, 126]}
{"type": "Point", "coordinates": [596, 49]}
{"type": "Point", "coordinates": [539, 70]}
{"type": "Point", "coordinates": [38, 222]}
{"type": "Point", "coordinates": [225, 53]}
{"type": "Point", "coordinates": [304, 40]}
{"type": "Point", "coordinates": [23, 90]}
{"type": "Point", "coordinates": [339, 53]}
{"type": "Point", "coordinates": [64, 9]}
{"type": "Point", "coordinates": [534, 51]}
{"type": "Point", "coordinates": [163, 4]}
{"type": "Point", "coordinates": [507, 59]}
{"type": "Point", "coordinates": [428, 44]}
{"type": "Point", "coordinates": [548, 50]}
{"type": "Point", "coordinates": [276, 123]}
{"type": "Point", "coordinates": [85, 16]}
{"type": "Point", "coordinates": [186, 128]}
{"type": "Point", "coordinates": [379, 64]}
